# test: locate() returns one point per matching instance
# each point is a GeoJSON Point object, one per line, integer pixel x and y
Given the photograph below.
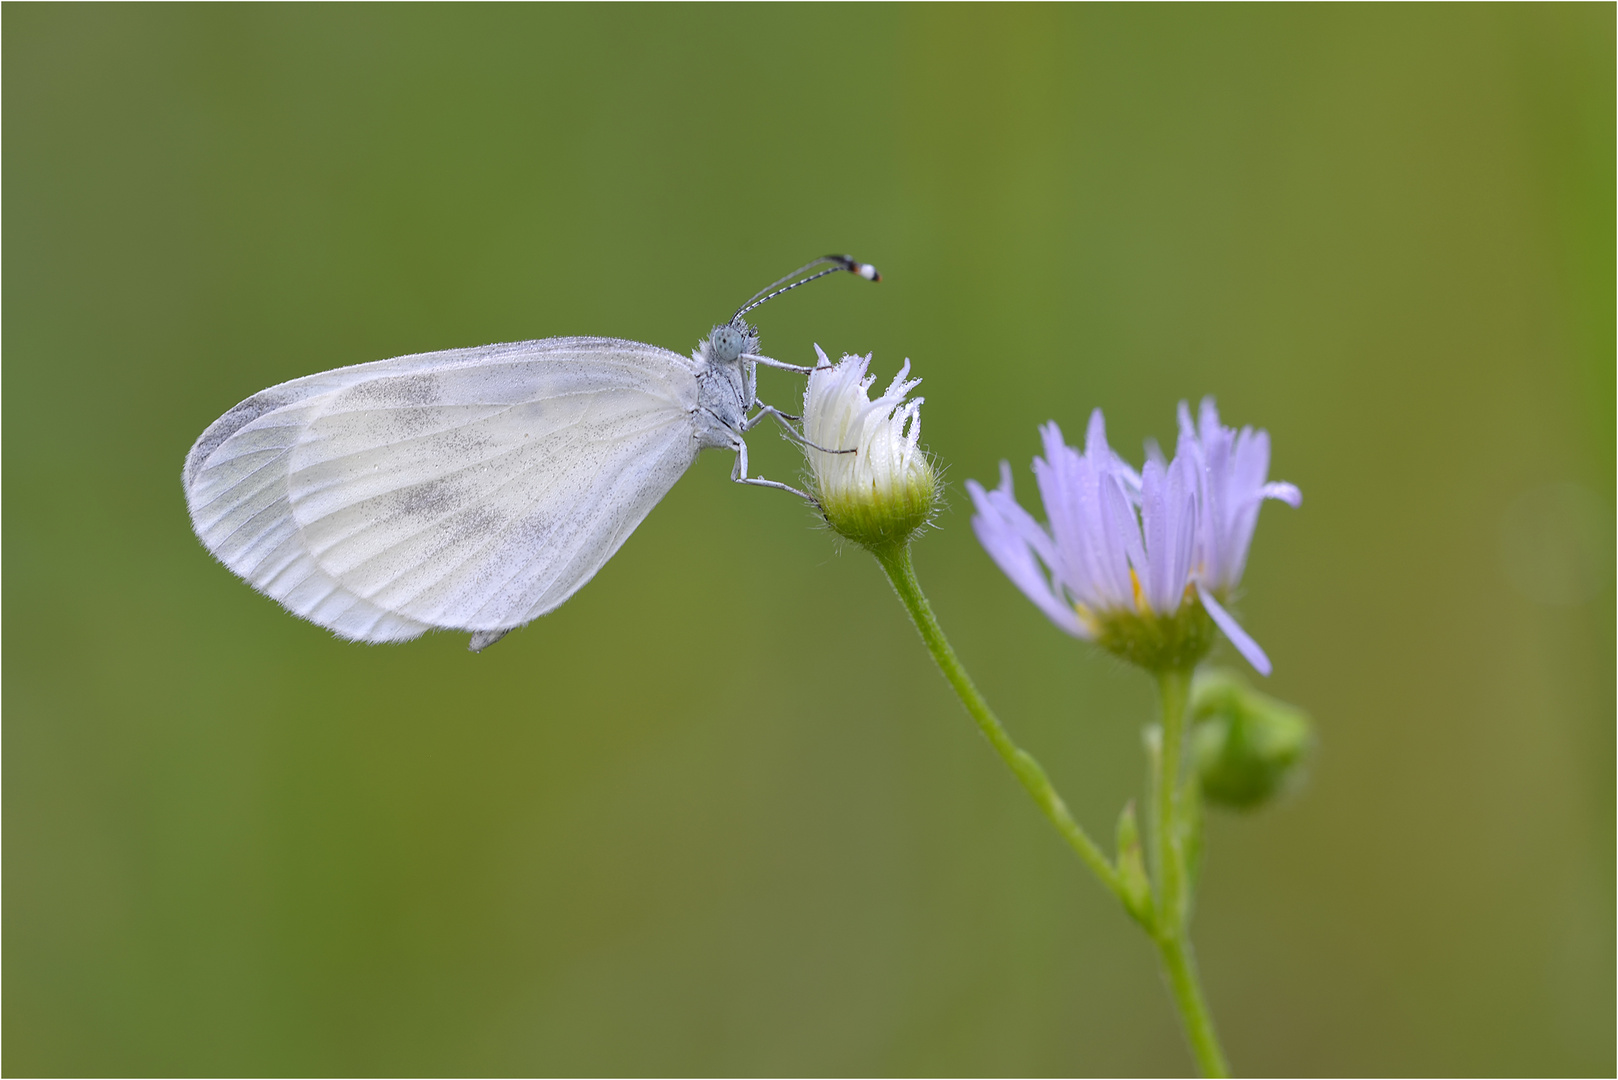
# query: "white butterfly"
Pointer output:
{"type": "Point", "coordinates": [469, 489]}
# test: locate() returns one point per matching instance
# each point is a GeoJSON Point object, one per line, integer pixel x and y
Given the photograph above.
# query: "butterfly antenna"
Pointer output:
{"type": "Point", "coordinates": [839, 262]}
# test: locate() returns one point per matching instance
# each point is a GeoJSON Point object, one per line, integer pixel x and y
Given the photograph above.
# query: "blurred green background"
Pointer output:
{"type": "Point", "coordinates": [719, 814]}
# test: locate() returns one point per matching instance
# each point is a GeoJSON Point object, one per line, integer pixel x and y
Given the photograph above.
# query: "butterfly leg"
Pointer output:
{"type": "Point", "coordinates": [785, 419]}
{"type": "Point", "coordinates": [738, 473]}
{"type": "Point", "coordinates": [767, 362]}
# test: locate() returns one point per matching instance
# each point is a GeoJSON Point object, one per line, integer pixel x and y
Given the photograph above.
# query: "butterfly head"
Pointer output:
{"type": "Point", "coordinates": [729, 341]}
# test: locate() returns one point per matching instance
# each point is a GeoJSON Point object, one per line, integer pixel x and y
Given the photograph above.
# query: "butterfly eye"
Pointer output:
{"type": "Point", "coordinates": [728, 344]}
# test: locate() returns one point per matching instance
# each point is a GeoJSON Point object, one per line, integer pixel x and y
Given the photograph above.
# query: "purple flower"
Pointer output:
{"type": "Point", "coordinates": [1130, 559]}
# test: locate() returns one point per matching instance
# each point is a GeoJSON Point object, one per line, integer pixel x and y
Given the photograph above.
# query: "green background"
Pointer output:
{"type": "Point", "coordinates": [719, 814]}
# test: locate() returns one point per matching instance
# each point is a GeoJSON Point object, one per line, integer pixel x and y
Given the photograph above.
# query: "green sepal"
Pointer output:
{"type": "Point", "coordinates": [1133, 885]}
{"type": "Point", "coordinates": [1157, 642]}
{"type": "Point", "coordinates": [882, 520]}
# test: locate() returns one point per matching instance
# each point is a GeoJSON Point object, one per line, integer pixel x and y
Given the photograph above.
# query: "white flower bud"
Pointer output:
{"type": "Point", "coordinates": [874, 483]}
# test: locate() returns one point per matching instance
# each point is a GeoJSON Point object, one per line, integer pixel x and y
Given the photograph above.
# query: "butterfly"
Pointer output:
{"type": "Point", "coordinates": [470, 489]}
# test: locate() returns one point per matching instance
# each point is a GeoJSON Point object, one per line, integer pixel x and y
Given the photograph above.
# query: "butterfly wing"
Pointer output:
{"type": "Point", "coordinates": [474, 489]}
{"type": "Point", "coordinates": [236, 490]}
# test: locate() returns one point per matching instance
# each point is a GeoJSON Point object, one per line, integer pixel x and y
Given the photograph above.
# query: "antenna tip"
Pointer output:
{"type": "Point", "coordinates": [866, 271]}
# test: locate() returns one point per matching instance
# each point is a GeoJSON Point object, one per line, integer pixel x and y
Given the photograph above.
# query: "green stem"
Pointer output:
{"type": "Point", "coordinates": [1169, 855]}
{"type": "Point", "coordinates": [1168, 920]}
{"type": "Point", "coordinates": [1172, 936]}
{"type": "Point", "coordinates": [1181, 968]}
{"type": "Point", "coordinates": [896, 561]}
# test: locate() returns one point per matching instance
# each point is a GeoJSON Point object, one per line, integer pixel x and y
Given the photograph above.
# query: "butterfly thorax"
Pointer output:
{"type": "Point", "coordinates": [726, 384]}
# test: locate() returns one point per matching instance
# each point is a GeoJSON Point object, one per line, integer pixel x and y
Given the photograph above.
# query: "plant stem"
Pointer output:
{"type": "Point", "coordinates": [896, 562]}
{"type": "Point", "coordinates": [1169, 855]}
{"type": "Point", "coordinates": [1168, 920]}
{"type": "Point", "coordinates": [1172, 936]}
{"type": "Point", "coordinates": [1181, 968]}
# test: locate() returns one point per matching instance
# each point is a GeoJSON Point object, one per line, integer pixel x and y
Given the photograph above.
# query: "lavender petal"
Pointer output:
{"type": "Point", "coordinates": [1000, 537]}
{"type": "Point", "coordinates": [1280, 489]}
{"type": "Point", "coordinates": [1161, 594]}
{"type": "Point", "coordinates": [1233, 630]}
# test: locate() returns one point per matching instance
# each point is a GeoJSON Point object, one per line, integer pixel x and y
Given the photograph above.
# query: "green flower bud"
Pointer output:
{"type": "Point", "coordinates": [1247, 746]}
